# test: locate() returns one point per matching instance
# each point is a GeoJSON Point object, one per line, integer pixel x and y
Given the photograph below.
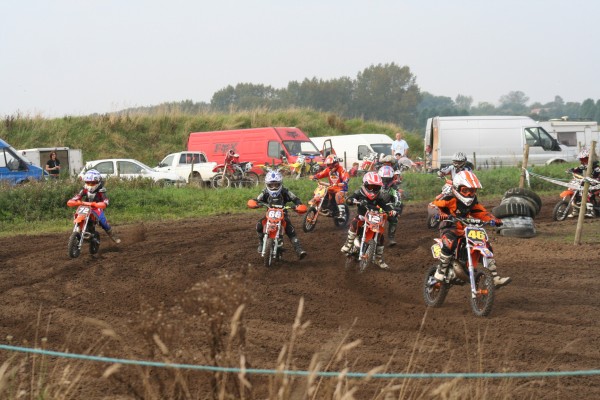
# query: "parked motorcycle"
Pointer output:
{"type": "Point", "coordinates": [233, 173]}
{"type": "Point", "coordinates": [305, 165]}
{"type": "Point", "coordinates": [368, 162]}
{"type": "Point", "coordinates": [273, 229]}
{"type": "Point", "coordinates": [309, 221]}
{"type": "Point", "coordinates": [365, 244]}
{"type": "Point", "coordinates": [84, 229]}
{"type": "Point", "coordinates": [470, 265]}
{"type": "Point", "coordinates": [573, 194]}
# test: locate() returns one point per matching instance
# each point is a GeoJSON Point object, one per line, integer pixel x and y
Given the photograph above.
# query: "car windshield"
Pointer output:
{"type": "Point", "coordinates": [385, 148]}
{"type": "Point", "coordinates": [295, 147]}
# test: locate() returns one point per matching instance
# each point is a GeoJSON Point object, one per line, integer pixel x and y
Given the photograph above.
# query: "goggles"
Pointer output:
{"type": "Point", "coordinates": [468, 192]}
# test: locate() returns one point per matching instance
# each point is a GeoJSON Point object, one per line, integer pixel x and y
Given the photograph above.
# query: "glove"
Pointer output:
{"type": "Point", "coordinates": [393, 213]}
{"type": "Point", "coordinates": [442, 216]}
{"type": "Point", "coordinates": [300, 208]}
{"type": "Point", "coordinates": [312, 178]}
{"type": "Point", "coordinates": [497, 222]}
{"type": "Point", "coordinates": [439, 173]}
{"type": "Point", "coordinates": [252, 203]}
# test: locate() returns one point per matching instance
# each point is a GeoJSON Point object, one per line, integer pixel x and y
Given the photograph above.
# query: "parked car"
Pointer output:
{"type": "Point", "coordinates": [189, 165]}
{"type": "Point", "coordinates": [14, 169]}
{"type": "Point", "coordinates": [127, 168]}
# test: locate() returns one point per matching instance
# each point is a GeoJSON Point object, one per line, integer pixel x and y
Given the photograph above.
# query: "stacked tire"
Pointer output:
{"type": "Point", "coordinates": [518, 208]}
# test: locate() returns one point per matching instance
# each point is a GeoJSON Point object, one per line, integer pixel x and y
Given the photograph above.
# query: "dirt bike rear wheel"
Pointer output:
{"type": "Point", "coordinates": [251, 179]}
{"type": "Point", "coordinates": [73, 247]}
{"type": "Point", "coordinates": [482, 303]}
{"type": "Point", "coordinates": [269, 249]}
{"type": "Point", "coordinates": [220, 181]}
{"type": "Point", "coordinates": [95, 243]}
{"type": "Point", "coordinates": [309, 222]}
{"type": "Point", "coordinates": [344, 222]}
{"type": "Point", "coordinates": [434, 292]}
{"type": "Point", "coordinates": [368, 256]}
{"type": "Point", "coordinates": [561, 210]}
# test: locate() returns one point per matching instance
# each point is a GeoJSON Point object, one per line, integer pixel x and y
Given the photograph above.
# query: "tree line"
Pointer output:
{"type": "Point", "coordinates": [383, 92]}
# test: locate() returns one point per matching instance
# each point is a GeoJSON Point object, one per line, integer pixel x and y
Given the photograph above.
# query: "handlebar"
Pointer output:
{"type": "Point", "coordinates": [469, 221]}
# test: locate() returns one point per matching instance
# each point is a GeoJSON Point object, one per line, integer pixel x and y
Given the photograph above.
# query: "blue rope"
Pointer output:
{"type": "Point", "coordinates": [304, 373]}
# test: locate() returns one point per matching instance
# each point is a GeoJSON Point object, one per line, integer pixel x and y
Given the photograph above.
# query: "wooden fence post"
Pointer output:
{"type": "Point", "coordinates": [524, 166]}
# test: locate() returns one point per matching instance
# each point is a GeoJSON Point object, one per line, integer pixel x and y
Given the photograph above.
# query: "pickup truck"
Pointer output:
{"type": "Point", "coordinates": [190, 165]}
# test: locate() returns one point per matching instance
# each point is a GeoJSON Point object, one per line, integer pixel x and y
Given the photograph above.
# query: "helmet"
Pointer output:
{"type": "Point", "coordinates": [92, 179]}
{"type": "Point", "coordinates": [464, 187]}
{"type": "Point", "coordinates": [388, 160]}
{"type": "Point", "coordinates": [331, 161]}
{"type": "Point", "coordinates": [371, 186]}
{"type": "Point", "coordinates": [387, 175]}
{"type": "Point", "coordinates": [274, 183]}
{"type": "Point", "coordinates": [584, 155]}
{"type": "Point", "coordinates": [459, 160]}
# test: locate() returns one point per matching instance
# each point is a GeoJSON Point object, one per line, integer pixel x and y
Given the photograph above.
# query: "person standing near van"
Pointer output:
{"type": "Point", "coordinates": [399, 146]}
{"type": "Point", "coordinates": [53, 165]}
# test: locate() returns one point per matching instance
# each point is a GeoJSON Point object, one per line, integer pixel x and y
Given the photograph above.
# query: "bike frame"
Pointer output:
{"type": "Point", "coordinates": [81, 219]}
{"type": "Point", "coordinates": [374, 224]}
{"type": "Point", "coordinates": [272, 228]}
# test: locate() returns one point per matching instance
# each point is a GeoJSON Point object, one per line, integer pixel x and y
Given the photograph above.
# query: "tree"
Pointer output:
{"type": "Point", "coordinates": [463, 102]}
{"type": "Point", "coordinates": [588, 109]}
{"type": "Point", "coordinates": [514, 103]}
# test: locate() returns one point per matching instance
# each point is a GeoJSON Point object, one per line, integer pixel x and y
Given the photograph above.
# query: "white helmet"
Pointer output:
{"type": "Point", "coordinates": [387, 175]}
{"type": "Point", "coordinates": [274, 183]}
{"type": "Point", "coordinates": [92, 179]}
{"type": "Point", "coordinates": [584, 153]}
{"type": "Point", "coordinates": [464, 187]}
{"type": "Point", "coordinates": [459, 160]}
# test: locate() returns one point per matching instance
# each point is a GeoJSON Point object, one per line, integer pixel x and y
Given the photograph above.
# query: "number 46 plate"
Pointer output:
{"type": "Point", "coordinates": [436, 250]}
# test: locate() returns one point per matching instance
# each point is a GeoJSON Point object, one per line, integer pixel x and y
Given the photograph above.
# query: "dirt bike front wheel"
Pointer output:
{"type": "Point", "coordinates": [269, 256]}
{"type": "Point", "coordinates": [309, 222]}
{"type": "Point", "coordinates": [220, 181]}
{"type": "Point", "coordinates": [434, 292]}
{"type": "Point", "coordinates": [561, 210]}
{"type": "Point", "coordinates": [432, 222]}
{"type": "Point", "coordinates": [368, 256]}
{"type": "Point", "coordinates": [485, 290]}
{"type": "Point", "coordinates": [73, 248]}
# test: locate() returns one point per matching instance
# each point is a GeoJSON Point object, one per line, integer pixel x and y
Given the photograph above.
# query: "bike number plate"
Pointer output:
{"type": "Point", "coordinates": [436, 250]}
{"type": "Point", "coordinates": [83, 210]}
{"type": "Point", "coordinates": [275, 214]}
{"type": "Point", "coordinates": [476, 235]}
{"type": "Point", "coordinates": [374, 218]}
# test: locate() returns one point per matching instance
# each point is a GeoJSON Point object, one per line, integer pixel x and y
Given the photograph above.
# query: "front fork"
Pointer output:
{"type": "Point", "coordinates": [276, 241]}
{"type": "Point", "coordinates": [81, 229]}
{"type": "Point", "coordinates": [472, 260]}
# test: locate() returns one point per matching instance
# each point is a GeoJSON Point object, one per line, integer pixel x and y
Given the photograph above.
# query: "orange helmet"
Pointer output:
{"type": "Point", "coordinates": [331, 161]}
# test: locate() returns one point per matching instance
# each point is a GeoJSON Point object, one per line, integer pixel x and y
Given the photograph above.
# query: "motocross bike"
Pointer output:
{"type": "Point", "coordinates": [273, 230]}
{"type": "Point", "coordinates": [309, 221]}
{"type": "Point", "coordinates": [469, 265]}
{"type": "Point", "coordinates": [365, 244]}
{"type": "Point", "coordinates": [238, 174]}
{"type": "Point", "coordinates": [305, 165]}
{"type": "Point", "coordinates": [572, 196]}
{"type": "Point", "coordinates": [368, 163]}
{"type": "Point", "coordinates": [84, 229]}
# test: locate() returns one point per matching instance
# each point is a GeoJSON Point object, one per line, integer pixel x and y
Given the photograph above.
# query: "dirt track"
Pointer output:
{"type": "Point", "coordinates": [546, 320]}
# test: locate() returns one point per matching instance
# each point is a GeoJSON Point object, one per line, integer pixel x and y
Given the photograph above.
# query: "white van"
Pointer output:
{"type": "Point", "coordinates": [70, 159]}
{"type": "Point", "coordinates": [572, 133]}
{"type": "Point", "coordinates": [353, 148]}
{"type": "Point", "coordinates": [496, 141]}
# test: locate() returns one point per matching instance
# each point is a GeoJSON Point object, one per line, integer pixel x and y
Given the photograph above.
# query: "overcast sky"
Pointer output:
{"type": "Point", "coordinates": [72, 57]}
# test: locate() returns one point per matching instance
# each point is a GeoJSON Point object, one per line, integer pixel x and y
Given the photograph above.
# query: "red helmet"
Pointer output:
{"type": "Point", "coordinates": [331, 161]}
{"type": "Point", "coordinates": [371, 186]}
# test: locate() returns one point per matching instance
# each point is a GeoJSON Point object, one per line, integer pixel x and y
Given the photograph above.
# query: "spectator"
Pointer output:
{"type": "Point", "coordinates": [399, 146]}
{"type": "Point", "coordinates": [53, 165]}
{"type": "Point", "coordinates": [354, 170]}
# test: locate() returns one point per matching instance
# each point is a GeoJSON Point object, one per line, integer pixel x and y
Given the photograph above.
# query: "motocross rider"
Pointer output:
{"type": "Point", "coordinates": [338, 179]}
{"type": "Point", "coordinates": [584, 157]}
{"type": "Point", "coordinates": [94, 191]}
{"type": "Point", "coordinates": [369, 194]}
{"type": "Point", "coordinates": [462, 202]}
{"type": "Point", "coordinates": [275, 194]}
{"type": "Point", "coordinates": [387, 160]}
{"type": "Point", "coordinates": [391, 184]}
{"type": "Point", "coordinates": [459, 163]}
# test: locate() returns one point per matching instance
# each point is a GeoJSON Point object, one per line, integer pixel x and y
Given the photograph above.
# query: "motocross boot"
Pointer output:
{"type": "Point", "coordinates": [379, 258]}
{"type": "Point", "coordinates": [341, 214]}
{"type": "Point", "coordinates": [445, 260]}
{"type": "Point", "coordinates": [575, 211]}
{"type": "Point", "coordinates": [260, 243]}
{"type": "Point", "coordinates": [498, 280]}
{"type": "Point", "coordinates": [113, 236]}
{"type": "Point", "coordinates": [348, 245]}
{"type": "Point", "coordinates": [392, 235]}
{"type": "Point", "coordinates": [296, 243]}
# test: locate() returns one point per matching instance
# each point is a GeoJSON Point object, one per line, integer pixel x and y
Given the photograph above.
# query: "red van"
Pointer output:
{"type": "Point", "coordinates": [259, 145]}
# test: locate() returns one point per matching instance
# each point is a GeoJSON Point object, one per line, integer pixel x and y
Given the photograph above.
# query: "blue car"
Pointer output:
{"type": "Point", "coordinates": [14, 169]}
